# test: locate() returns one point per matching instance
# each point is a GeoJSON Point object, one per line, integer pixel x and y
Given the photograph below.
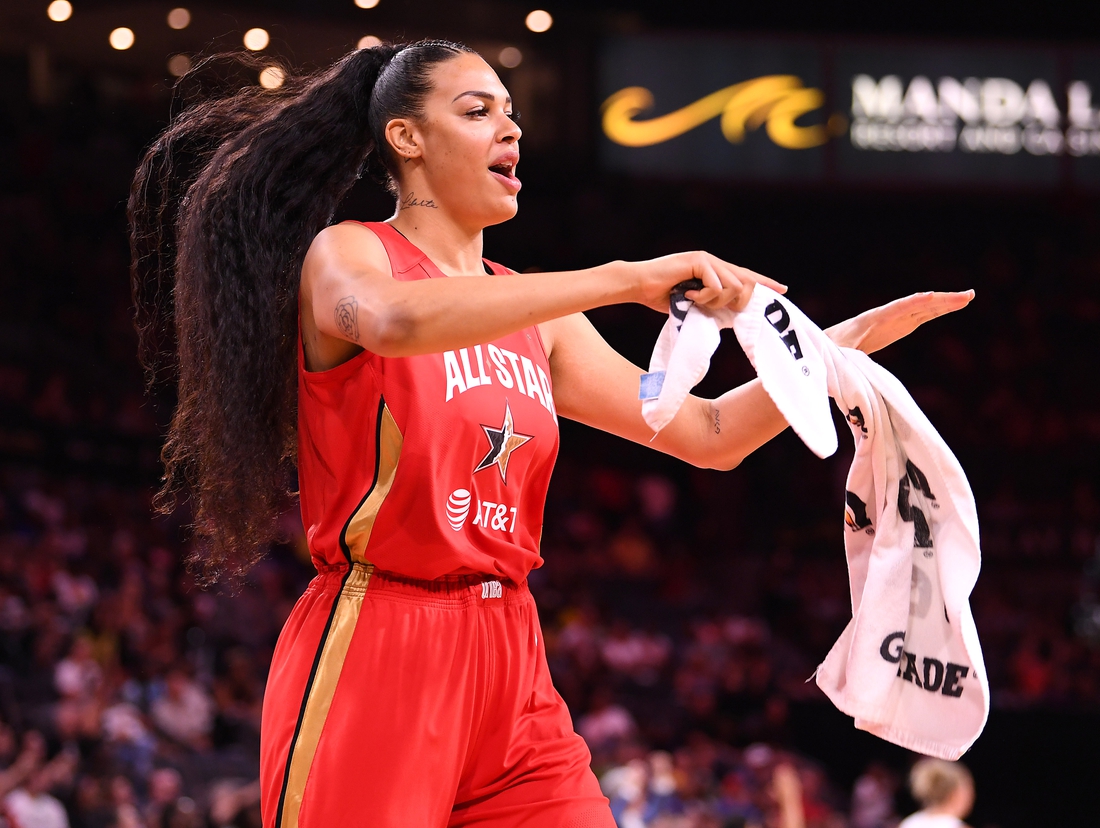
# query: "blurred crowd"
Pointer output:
{"type": "Point", "coordinates": [126, 692]}
{"type": "Point", "coordinates": [684, 610]}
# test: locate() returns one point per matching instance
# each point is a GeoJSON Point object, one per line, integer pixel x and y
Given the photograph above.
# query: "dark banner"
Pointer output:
{"type": "Point", "coordinates": [1083, 118]}
{"type": "Point", "coordinates": [910, 114]}
{"type": "Point", "coordinates": [713, 107]}
{"type": "Point", "coordinates": [949, 116]}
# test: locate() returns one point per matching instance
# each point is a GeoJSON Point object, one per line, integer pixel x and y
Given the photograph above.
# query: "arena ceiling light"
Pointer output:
{"type": "Point", "coordinates": [179, 65]}
{"type": "Point", "coordinates": [510, 57]}
{"type": "Point", "coordinates": [272, 77]}
{"type": "Point", "coordinates": [121, 38]}
{"type": "Point", "coordinates": [256, 39]}
{"type": "Point", "coordinates": [366, 4]}
{"type": "Point", "coordinates": [369, 42]}
{"type": "Point", "coordinates": [539, 20]}
{"type": "Point", "coordinates": [59, 10]}
{"type": "Point", "coordinates": [179, 18]}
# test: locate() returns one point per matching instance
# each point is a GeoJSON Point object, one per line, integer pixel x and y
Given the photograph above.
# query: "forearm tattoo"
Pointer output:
{"type": "Point", "coordinates": [717, 423]}
{"type": "Point", "coordinates": [347, 318]}
{"type": "Point", "coordinates": [412, 201]}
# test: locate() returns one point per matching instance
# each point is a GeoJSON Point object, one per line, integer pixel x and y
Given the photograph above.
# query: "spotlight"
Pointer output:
{"type": "Point", "coordinates": [539, 20]}
{"type": "Point", "coordinates": [121, 38]}
{"type": "Point", "coordinates": [369, 42]}
{"type": "Point", "coordinates": [366, 4]}
{"type": "Point", "coordinates": [59, 10]}
{"type": "Point", "coordinates": [179, 65]}
{"type": "Point", "coordinates": [256, 39]}
{"type": "Point", "coordinates": [510, 57]}
{"type": "Point", "coordinates": [272, 77]}
{"type": "Point", "coordinates": [179, 18]}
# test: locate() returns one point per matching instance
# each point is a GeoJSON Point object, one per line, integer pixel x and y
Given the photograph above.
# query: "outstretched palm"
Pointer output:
{"type": "Point", "coordinates": [874, 329]}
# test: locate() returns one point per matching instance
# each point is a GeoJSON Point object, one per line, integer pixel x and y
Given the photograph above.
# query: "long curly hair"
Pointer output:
{"type": "Point", "coordinates": [222, 210]}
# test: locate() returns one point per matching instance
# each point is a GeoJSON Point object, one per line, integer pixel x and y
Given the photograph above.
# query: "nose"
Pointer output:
{"type": "Point", "coordinates": [511, 132]}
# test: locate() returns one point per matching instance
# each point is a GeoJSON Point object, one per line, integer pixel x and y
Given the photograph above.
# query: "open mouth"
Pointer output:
{"type": "Point", "coordinates": [504, 170]}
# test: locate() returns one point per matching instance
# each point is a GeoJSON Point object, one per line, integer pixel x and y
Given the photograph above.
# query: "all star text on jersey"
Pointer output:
{"type": "Point", "coordinates": [468, 368]}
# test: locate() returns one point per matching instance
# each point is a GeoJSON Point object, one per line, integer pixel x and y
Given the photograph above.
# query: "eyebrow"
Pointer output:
{"type": "Point", "coordinates": [488, 96]}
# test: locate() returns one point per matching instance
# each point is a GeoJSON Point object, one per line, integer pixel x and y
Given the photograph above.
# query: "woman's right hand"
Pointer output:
{"type": "Point", "coordinates": [725, 285]}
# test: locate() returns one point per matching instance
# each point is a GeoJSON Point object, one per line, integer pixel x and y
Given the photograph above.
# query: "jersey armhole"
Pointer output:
{"type": "Point", "coordinates": [489, 267]}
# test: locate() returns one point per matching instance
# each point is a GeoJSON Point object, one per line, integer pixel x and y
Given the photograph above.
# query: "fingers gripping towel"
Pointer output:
{"type": "Point", "coordinates": [792, 372]}
{"type": "Point", "coordinates": [680, 358]}
{"type": "Point", "coordinates": [909, 666]}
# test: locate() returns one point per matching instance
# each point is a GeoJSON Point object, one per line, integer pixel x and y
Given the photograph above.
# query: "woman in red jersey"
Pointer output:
{"type": "Point", "coordinates": [416, 387]}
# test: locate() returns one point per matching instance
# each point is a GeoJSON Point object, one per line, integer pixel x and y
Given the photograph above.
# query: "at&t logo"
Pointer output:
{"type": "Point", "coordinates": [458, 508]}
{"type": "Point", "coordinates": [488, 515]}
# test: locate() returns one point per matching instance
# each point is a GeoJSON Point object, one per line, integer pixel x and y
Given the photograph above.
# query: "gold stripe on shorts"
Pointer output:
{"type": "Point", "coordinates": [319, 693]}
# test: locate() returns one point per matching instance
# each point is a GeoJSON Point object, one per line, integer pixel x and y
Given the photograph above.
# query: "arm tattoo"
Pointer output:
{"type": "Point", "coordinates": [347, 317]}
{"type": "Point", "coordinates": [717, 423]}
{"type": "Point", "coordinates": [412, 201]}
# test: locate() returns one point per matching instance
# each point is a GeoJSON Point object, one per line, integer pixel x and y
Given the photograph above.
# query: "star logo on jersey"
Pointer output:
{"type": "Point", "coordinates": [502, 442]}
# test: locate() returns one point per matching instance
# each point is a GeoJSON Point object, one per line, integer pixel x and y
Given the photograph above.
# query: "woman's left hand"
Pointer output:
{"type": "Point", "coordinates": [878, 327]}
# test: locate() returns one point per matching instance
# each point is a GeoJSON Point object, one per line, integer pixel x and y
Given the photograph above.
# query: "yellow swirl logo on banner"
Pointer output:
{"type": "Point", "coordinates": [775, 100]}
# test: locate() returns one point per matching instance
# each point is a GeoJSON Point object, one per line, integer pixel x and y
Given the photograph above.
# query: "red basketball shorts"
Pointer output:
{"type": "Point", "coordinates": [419, 704]}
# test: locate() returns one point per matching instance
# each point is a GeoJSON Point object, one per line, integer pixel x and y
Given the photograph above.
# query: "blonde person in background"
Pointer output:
{"type": "Point", "coordinates": [945, 791]}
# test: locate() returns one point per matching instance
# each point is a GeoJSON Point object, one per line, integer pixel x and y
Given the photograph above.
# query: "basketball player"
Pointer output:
{"type": "Point", "coordinates": [409, 686]}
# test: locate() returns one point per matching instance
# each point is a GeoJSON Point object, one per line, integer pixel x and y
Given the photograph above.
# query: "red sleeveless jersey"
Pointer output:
{"type": "Point", "coordinates": [429, 465]}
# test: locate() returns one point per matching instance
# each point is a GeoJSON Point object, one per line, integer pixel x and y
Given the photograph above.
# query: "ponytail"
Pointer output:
{"type": "Point", "coordinates": [222, 210]}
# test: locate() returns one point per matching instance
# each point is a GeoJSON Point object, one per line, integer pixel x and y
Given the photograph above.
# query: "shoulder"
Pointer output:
{"type": "Point", "coordinates": [349, 243]}
{"type": "Point", "coordinates": [922, 819]}
{"type": "Point", "coordinates": [17, 798]}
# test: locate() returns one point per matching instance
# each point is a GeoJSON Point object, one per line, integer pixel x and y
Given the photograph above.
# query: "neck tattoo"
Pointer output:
{"type": "Point", "coordinates": [412, 201]}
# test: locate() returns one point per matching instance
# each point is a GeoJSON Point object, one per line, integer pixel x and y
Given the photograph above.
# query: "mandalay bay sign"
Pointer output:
{"type": "Point", "coordinates": [775, 101]}
{"type": "Point", "coordinates": [972, 115]}
{"type": "Point", "coordinates": [727, 108]}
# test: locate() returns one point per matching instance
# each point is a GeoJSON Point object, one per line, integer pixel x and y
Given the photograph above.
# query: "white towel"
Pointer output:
{"type": "Point", "coordinates": [674, 371]}
{"type": "Point", "coordinates": [909, 666]}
